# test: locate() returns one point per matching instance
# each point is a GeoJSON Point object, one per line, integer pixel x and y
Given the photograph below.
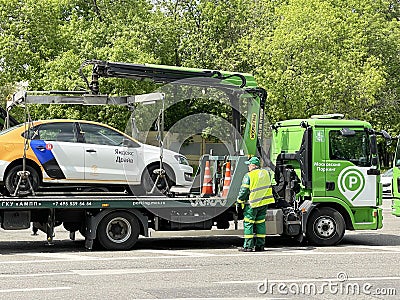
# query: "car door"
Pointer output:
{"type": "Point", "coordinates": [57, 149]}
{"type": "Point", "coordinates": [109, 155]}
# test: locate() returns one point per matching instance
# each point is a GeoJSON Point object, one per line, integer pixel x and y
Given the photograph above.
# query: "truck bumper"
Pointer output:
{"type": "Point", "coordinates": [376, 220]}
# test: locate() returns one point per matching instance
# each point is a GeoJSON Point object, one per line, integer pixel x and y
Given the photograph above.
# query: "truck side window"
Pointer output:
{"type": "Point", "coordinates": [355, 148]}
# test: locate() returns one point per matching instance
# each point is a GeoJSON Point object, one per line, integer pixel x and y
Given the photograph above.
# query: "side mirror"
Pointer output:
{"type": "Point", "coordinates": [347, 132]}
{"type": "Point", "coordinates": [387, 137]}
{"type": "Point", "coordinates": [374, 147]}
{"type": "Point", "coordinates": [130, 144]}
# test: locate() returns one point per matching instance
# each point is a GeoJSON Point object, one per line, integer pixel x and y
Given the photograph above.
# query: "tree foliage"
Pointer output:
{"type": "Point", "coordinates": [312, 56]}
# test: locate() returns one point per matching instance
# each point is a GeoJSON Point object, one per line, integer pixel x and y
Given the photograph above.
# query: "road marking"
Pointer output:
{"type": "Point", "coordinates": [309, 280]}
{"type": "Point", "coordinates": [35, 289]}
{"type": "Point", "coordinates": [176, 252]}
{"type": "Point", "coordinates": [33, 275]}
{"type": "Point", "coordinates": [65, 256]}
{"type": "Point", "coordinates": [97, 272]}
{"type": "Point", "coordinates": [372, 247]}
{"type": "Point", "coordinates": [215, 298]}
{"type": "Point", "coordinates": [125, 271]}
{"type": "Point", "coordinates": [270, 252]}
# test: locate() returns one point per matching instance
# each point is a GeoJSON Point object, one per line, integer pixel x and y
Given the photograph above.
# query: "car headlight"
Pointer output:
{"type": "Point", "coordinates": [181, 160]}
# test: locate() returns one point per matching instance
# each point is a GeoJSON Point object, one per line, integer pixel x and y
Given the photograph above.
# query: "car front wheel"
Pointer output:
{"type": "Point", "coordinates": [14, 180]}
{"type": "Point", "coordinates": [150, 177]}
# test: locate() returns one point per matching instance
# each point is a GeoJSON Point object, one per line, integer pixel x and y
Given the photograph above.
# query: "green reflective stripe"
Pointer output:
{"type": "Point", "coordinates": [248, 236]}
{"type": "Point", "coordinates": [241, 201]}
{"type": "Point", "coordinates": [259, 221]}
{"type": "Point", "coordinates": [246, 185]}
{"type": "Point", "coordinates": [248, 220]}
{"type": "Point", "coordinates": [261, 198]}
{"type": "Point", "coordinates": [260, 235]}
{"type": "Point", "coordinates": [260, 188]}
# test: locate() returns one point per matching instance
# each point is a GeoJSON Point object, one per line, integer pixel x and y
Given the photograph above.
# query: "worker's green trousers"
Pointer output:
{"type": "Point", "coordinates": [254, 226]}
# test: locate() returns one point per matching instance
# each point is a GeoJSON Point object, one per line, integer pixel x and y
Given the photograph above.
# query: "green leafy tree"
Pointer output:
{"type": "Point", "coordinates": [331, 56]}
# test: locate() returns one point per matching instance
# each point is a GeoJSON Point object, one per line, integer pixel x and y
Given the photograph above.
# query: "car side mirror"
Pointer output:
{"type": "Point", "coordinates": [130, 144]}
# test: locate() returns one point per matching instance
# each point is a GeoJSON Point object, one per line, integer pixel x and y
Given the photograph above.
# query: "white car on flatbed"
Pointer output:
{"type": "Point", "coordinates": [84, 153]}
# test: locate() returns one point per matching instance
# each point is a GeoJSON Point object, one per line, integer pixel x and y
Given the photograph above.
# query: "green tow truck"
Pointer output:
{"type": "Point", "coordinates": [326, 169]}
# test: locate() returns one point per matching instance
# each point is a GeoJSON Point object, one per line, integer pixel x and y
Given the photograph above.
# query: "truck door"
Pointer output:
{"type": "Point", "coordinates": [348, 159]}
{"type": "Point", "coordinates": [109, 156]}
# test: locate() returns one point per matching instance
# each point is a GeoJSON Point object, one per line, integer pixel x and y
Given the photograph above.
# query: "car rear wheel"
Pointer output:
{"type": "Point", "coordinates": [13, 177]}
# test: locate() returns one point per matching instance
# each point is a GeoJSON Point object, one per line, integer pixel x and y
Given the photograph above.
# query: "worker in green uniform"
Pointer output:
{"type": "Point", "coordinates": [254, 196]}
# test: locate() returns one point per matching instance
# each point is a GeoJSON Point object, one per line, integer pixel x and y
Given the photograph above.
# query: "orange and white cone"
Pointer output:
{"type": "Point", "coordinates": [227, 180]}
{"type": "Point", "coordinates": [207, 189]}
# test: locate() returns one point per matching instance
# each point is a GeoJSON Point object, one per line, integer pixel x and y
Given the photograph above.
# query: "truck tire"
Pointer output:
{"type": "Point", "coordinates": [12, 179]}
{"type": "Point", "coordinates": [118, 230]}
{"type": "Point", "coordinates": [325, 227]}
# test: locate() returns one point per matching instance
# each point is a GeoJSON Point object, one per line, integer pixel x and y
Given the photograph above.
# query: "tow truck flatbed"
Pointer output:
{"type": "Point", "coordinates": [101, 201]}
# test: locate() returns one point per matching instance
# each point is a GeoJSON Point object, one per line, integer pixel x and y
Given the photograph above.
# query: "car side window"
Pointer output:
{"type": "Point", "coordinates": [100, 135]}
{"type": "Point", "coordinates": [60, 132]}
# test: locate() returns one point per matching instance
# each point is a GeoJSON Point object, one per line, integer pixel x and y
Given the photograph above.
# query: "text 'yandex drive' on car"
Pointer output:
{"type": "Point", "coordinates": [85, 153]}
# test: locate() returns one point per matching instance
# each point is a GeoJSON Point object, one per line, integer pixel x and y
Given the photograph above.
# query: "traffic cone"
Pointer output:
{"type": "Point", "coordinates": [227, 180]}
{"type": "Point", "coordinates": [207, 189]}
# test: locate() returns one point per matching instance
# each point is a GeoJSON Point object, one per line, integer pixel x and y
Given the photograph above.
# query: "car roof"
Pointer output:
{"type": "Point", "coordinates": [79, 121]}
{"type": "Point", "coordinates": [68, 121]}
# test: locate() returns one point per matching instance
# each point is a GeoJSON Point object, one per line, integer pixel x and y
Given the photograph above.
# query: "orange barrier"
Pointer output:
{"type": "Point", "coordinates": [207, 189]}
{"type": "Point", "coordinates": [227, 180]}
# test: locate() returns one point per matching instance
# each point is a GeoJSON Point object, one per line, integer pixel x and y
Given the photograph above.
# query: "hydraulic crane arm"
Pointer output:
{"type": "Point", "coordinates": [160, 74]}
{"type": "Point", "coordinates": [236, 82]}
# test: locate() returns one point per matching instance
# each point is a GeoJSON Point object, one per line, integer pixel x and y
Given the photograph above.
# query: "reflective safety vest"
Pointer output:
{"type": "Point", "coordinates": [260, 188]}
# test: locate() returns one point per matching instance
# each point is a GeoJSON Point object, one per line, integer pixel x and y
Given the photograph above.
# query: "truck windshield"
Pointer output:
{"type": "Point", "coordinates": [354, 148]}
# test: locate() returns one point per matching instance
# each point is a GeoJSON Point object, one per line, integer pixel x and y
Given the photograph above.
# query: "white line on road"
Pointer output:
{"type": "Point", "coordinates": [214, 298]}
{"type": "Point", "coordinates": [384, 248]}
{"type": "Point", "coordinates": [176, 252]}
{"type": "Point", "coordinates": [125, 271]}
{"type": "Point", "coordinates": [65, 256]}
{"type": "Point", "coordinates": [310, 280]}
{"type": "Point", "coordinates": [271, 252]}
{"type": "Point", "coordinates": [97, 272]}
{"type": "Point", "coordinates": [33, 275]}
{"type": "Point", "coordinates": [35, 289]}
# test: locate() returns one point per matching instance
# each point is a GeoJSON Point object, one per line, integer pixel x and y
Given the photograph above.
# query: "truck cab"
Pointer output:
{"type": "Point", "coordinates": [328, 168]}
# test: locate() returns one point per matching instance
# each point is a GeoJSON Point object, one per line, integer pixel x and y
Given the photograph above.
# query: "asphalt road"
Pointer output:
{"type": "Point", "coordinates": [364, 266]}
